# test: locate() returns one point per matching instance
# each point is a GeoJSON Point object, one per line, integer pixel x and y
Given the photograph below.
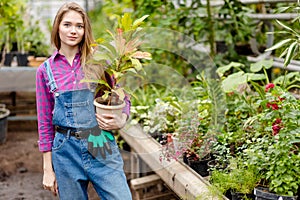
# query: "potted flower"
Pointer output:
{"type": "Point", "coordinates": [113, 60]}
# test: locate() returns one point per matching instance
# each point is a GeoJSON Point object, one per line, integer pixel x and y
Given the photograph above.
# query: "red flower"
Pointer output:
{"type": "Point", "coordinates": [274, 106]}
{"type": "Point", "coordinates": [276, 126]}
{"type": "Point", "coordinates": [269, 86]}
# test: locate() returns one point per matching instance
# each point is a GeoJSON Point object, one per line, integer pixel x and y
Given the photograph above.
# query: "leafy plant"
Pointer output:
{"type": "Point", "coordinates": [241, 179]}
{"type": "Point", "coordinates": [275, 149]}
{"type": "Point", "coordinates": [117, 58]}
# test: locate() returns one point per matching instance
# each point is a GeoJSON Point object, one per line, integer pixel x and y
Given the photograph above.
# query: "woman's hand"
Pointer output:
{"type": "Point", "coordinates": [111, 121]}
{"type": "Point", "coordinates": [49, 181]}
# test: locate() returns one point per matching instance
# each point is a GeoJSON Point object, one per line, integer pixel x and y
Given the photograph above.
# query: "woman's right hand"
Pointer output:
{"type": "Point", "coordinates": [49, 181]}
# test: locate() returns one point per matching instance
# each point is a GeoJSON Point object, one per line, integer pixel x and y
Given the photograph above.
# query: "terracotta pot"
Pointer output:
{"type": "Point", "coordinates": [102, 108]}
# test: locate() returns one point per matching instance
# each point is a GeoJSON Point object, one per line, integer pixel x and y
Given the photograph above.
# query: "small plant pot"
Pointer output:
{"type": "Point", "coordinates": [8, 59]}
{"type": "Point", "coordinates": [263, 193]}
{"type": "Point", "coordinates": [241, 196]}
{"type": "Point", "coordinates": [102, 108]}
{"type": "Point", "coordinates": [22, 59]}
{"type": "Point", "coordinates": [3, 123]}
{"type": "Point", "coordinates": [200, 166]}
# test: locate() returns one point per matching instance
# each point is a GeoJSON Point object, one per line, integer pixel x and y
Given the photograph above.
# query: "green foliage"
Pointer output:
{"type": "Point", "coordinates": [117, 57]}
{"type": "Point", "coordinates": [274, 149]}
{"type": "Point", "coordinates": [288, 47]}
{"type": "Point", "coordinates": [236, 178]}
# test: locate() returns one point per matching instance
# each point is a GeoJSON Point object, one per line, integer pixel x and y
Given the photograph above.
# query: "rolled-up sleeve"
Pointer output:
{"type": "Point", "coordinates": [45, 104]}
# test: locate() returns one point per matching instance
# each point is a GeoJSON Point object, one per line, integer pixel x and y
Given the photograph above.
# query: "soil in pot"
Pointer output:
{"type": "Point", "coordinates": [263, 193]}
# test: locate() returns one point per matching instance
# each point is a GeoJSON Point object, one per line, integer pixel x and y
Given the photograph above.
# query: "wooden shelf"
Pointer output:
{"type": "Point", "coordinates": [179, 177]}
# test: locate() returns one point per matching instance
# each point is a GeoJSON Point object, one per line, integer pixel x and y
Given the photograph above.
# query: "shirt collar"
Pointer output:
{"type": "Point", "coordinates": [56, 54]}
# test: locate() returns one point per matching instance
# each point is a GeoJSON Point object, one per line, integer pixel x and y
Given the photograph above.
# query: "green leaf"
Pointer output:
{"type": "Point", "coordinates": [290, 53]}
{"type": "Point", "coordinates": [136, 63]}
{"type": "Point", "coordinates": [279, 44]}
{"type": "Point", "coordinates": [255, 77]}
{"type": "Point", "coordinates": [223, 69]}
{"type": "Point", "coordinates": [256, 67]}
{"type": "Point", "coordinates": [286, 27]}
{"type": "Point", "coordinates": [139, 21]}
{"type": "Point", "coordinates": [101, 56]}
{"type": "Point", "coordinates": [230, 83]}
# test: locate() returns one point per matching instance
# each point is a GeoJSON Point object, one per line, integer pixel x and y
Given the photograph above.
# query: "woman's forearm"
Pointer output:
{"type": "Point", "coordinates": [47, 161]}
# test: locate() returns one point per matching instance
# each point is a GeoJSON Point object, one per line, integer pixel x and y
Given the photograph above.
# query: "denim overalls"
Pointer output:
{"type": "Point", "coordinates": [74, 166]}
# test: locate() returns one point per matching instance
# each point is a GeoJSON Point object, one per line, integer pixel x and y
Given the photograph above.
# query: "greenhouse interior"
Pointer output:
{"type": "Point", "coordinates": [211, 90]}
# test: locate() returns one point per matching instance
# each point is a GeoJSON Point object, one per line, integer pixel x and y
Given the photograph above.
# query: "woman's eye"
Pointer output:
{"type": "Point", "coordinates": [66, 25]}
{"type": "Point", "coordinates": [80, 26]}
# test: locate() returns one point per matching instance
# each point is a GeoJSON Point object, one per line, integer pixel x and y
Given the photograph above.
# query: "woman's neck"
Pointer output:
{"type": "Point", "coordinates": [69, 53]}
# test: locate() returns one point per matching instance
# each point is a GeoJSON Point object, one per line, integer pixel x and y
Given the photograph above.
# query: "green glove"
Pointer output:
{"type": "Point", "coordinates": [99, 143]}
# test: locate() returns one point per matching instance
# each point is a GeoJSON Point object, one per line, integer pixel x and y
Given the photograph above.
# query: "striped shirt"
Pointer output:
{"type": "Point", "coordinates": [67, 78]}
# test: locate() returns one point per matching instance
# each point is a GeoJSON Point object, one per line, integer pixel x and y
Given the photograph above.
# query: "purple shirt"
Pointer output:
{"type": "Point", "coordinates": [67, 78]}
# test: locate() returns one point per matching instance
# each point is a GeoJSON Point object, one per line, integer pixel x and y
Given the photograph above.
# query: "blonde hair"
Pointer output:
{"type": "Point", "coordinates": [87, 40]}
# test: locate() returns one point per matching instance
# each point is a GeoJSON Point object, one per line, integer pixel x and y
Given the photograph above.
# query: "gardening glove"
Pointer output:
{"type": "Point", "coordinates": [99, 143]}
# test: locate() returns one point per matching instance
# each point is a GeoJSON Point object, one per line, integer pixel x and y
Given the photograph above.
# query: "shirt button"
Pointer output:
{"type": "Point", "coordinates": [72, 71]}
{"type": "Point", "coordinates": [74, 82]}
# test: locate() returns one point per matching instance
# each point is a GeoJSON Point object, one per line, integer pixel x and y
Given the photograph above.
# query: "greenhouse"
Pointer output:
{"type": "Point", "coordinates": [140, 99]}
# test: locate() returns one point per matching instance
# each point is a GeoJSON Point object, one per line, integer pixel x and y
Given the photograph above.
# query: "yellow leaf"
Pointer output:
{"type": "Point", "coordinates": [126, 21]}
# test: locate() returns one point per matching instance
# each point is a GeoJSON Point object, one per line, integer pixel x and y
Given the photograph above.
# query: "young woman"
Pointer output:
{"type": "Point", "coordinates": [67, 122]}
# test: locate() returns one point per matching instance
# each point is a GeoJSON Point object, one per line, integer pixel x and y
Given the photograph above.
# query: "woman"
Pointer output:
{"type": "Point", "coordinates": [67, 122]}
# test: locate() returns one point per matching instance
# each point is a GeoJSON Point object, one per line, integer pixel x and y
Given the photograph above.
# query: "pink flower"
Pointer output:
{"type": "Point", "coordinates": [269, 86]}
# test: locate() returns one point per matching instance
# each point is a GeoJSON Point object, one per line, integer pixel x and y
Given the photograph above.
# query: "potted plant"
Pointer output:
{"type": "Point", "coordinates": [275, 150]}
{"type": "Point", "coordinates": [114, 60]}
{"type": "Point", "coordinates": [236, 180]}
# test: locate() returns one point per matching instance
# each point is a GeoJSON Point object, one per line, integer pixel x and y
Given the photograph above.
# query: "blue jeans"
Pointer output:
{"type": "Point", "coordinates": [75, 167]}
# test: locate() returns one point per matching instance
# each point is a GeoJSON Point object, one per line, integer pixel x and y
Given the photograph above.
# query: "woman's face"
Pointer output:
{"type": "Point", "coordinates": [71, 29]}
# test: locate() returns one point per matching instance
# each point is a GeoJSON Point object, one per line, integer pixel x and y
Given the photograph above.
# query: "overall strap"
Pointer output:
{"type": "Point", "coordinates": [52, 84]}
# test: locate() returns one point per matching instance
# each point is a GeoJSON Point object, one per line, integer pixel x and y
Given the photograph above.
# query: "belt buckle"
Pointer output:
{"type": "Point", "coordinates": [77, 134]}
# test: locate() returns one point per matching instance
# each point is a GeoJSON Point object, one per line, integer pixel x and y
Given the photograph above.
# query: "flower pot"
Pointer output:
{"type": "Point", "coordinates": [200, 166]}
{"type": "Point", "coordinates": [241, 196]}
{"type": "Point", "coordinates": [3, 123]}
{"type": "Point", "coordinates": [263, 193]}
{"type": "Point", "coordinates": [102, 108]}
{"type": "Point", "coordinates": [8, 59]}
{"type": "Point", "coordinates": [22, 59]}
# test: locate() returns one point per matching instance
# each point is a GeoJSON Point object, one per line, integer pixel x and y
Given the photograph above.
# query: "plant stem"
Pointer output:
{"type": "Point", "coordinates": [211, 36]}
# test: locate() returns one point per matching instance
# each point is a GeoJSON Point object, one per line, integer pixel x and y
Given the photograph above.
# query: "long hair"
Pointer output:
{"type": "Point", "coordinates": [87, 40]}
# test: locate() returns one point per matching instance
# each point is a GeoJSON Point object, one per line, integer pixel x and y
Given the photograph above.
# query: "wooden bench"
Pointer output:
{"type": "Point", "coordinates": [141, 185]}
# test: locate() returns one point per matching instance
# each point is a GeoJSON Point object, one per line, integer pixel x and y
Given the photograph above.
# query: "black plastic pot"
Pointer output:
{"type": "Point", "coordinates": [263, 193]}
{"type": "Point", "coordinates": [22, 59]}
{"type": "Point", "coordinates": [8, 59]}
{"type": "Point", "coordinates": [200, 166]}
{"type": "Point", "coordinates": [241, 196]}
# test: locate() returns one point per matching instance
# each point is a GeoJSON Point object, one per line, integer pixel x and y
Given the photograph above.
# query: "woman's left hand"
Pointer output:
{"type": "Point", "coordinates": [111, 121]}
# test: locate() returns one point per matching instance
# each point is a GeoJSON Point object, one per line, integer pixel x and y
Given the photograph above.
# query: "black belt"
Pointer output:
{"type": "Point", "coordinates": [79, 134]}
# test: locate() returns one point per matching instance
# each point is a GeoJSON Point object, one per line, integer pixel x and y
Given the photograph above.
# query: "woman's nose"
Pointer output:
{"type": "Point", "coordinates": [73, 29]}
